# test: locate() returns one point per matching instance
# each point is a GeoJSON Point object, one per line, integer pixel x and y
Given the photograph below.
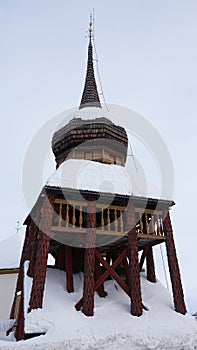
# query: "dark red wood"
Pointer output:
{"type": "Point", "coordinates": [89, 260]}
{"type": "Point", "coordinates": [19, 286]}
{"type": "Point", "coordinates": [60, 261]}
{"type": "Point", "coordinates": [114, 255]}
{"type": "Point", "coordinates": [37, 292]}
{"type": "Point", "coordinates": [143, 256]}
{"type": "Point", "coordinates": [178, 296]}
{"type": "Point", "coordinates": [126, 269]}
{"type": "Point", "coordinates": [150, 266]}
{"type": "Point", "coordinates": [108, 257]}
{"type": "Point", "coordinates": [98, 274]}
{"type": "Point", "coordinates": [69, 269]}
{"type": "Point", "coordinates": [20, 327]}
{"type": "Point", "coordinates": [110, 271]}
{"type": "Point", "coordinates": [135, 288]}
{"type": "Point", "coordinates": [33, 246]}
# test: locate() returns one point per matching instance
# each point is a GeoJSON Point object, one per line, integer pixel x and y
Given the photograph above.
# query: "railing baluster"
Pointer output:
{"type": "Point", "coordinates": [158, 228]}
{"type": "Point", "coordinates": [108, 219]}
{"type": "Point", "coordinates": [146, 224]}
{"type": "Point", "coordinates": [115, 220]}
{"type": "Point", "coordinates": [153, 223]}
{"type": "Point", "coordinates": [60, 216]}
{"type": "Point", "coordinates": [121, 222]}
{"type": "Point", "coordinates": [102, 220]}
{"type": "Point", "coordinates": [73, 218]}
{"type": "Point", "coordinates": [67, 214]}
{"type": "Point", "coordinates": [162, 232]}
{"type": "Point", "coordinates": [80, 217]}
{"type": "Point", "coordinates": [141, 223]}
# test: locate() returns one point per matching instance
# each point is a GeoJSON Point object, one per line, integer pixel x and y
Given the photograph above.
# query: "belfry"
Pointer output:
{"type": "Point", "coordinates": [98, 232]}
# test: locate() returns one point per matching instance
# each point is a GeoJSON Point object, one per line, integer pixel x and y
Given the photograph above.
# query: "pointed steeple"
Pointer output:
{"type": "Point", "coordinates": [90, 96]}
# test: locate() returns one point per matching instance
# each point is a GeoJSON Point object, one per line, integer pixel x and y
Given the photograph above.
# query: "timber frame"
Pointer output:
{"type": "Point", "coordinates": [103, 243]}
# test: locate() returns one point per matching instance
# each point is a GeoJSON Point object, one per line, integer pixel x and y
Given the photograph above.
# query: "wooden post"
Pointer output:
{"type": "Point", "coordinates": [19, 286]}
{"type": "Point", "coordinates": [69, 269]}
{"type": "Point", "coordinates": [89, 259]}
{"type": "Point", "coordinates": [98, 274]}
{"type": "Point", "coordinates": [150, 266]}
{"type": "Point", "coordinates": [135, 288]}
{"type": "Point", "coordinates": [18, 312]}
{"type": "Point", "coordinates": [178, 296]}
{"type": "Point", "coordinates": [143, 256]}
{"type": "Point", "coordinates": [37, 292]}
{"type": "Point", "coordinates": [33, 246]}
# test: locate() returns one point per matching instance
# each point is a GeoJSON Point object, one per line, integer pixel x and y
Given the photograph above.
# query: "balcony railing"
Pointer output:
{"type": "Point", "coordinates": [70, 216]}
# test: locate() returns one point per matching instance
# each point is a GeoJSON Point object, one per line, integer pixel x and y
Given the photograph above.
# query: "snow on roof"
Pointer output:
{"type": "Point", "coordinates": [91, 176]}
{"type": "Point", "coordinates": [10, 251]}
{"type": "Point", "coordinates": [137, 180]}
{"type": "Point", "coordinates": [112, 326]}
{"type": "Point", "coordinates": [87, 113]}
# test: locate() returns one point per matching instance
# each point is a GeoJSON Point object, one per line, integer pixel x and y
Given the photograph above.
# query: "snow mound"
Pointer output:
{"type": "Point", "coordinates": [112, 326]}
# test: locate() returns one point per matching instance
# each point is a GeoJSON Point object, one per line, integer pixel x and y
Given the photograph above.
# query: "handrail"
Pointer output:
{"type": "Point", "coordinates": [71, 216]}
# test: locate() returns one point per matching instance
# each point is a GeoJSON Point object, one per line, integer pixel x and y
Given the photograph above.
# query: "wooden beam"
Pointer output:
{"type": "Point", "coordinates": [126, 269]}
{"type": "Point", "coordinates": [178, 296]}
{"type": "Point", "coordinates": [143, 256]}
{"type": "Point", "coordinates": [110, 271]}
{"type": "Point", "coordinates": [106, 274]}
{"type": "Point", "coordinates": [8, 271]}
{"type": "Point", "coordinates": [38, 284]}
{"type": "Point", "coordinates": [89, 259]}
{"type": "Point", "coordinates": [135, 288]}
{"type": "Point", "coordinates": [19, 286]}
{"type": "Point", "coordinates": [69, 269]}
{"type": "Point", "coordinates": [98, 274]}
{"type": "Point", "coordinates": [150, 266]}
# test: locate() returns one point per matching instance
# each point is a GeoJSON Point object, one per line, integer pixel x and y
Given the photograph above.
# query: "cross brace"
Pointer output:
{"type": "Point", "coordinates": [110, 271]}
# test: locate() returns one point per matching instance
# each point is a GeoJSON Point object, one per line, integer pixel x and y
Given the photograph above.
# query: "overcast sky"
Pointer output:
{"type": "Point", "coordinates": [147, 58]}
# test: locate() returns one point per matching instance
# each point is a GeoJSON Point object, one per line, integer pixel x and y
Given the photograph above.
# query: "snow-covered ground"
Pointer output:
{"type": "Point", "coordinates": [112, 326]}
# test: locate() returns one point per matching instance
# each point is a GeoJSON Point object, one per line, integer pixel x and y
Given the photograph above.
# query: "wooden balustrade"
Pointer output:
{"type": "Point", "coordinates": [71, 216]}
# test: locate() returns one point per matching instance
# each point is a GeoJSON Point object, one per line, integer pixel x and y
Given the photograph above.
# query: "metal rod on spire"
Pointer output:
{"type": "Point", "coordinates": [90, 30]}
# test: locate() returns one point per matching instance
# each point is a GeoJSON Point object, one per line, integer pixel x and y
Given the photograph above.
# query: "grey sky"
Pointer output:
{"type": "Point", "coordinates": [147, 58]}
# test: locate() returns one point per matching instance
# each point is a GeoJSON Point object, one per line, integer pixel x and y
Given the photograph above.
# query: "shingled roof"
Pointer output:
{"type": "Point", "coordinates": [90, 96]}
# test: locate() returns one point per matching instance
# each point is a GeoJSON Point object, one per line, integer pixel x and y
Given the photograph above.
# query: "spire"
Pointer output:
{"type": "Point", "coordinates": [90, 96]}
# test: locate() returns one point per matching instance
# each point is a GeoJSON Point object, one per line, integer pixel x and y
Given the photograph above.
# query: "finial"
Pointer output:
{"type": "Point", "coordinates": [90, 30]}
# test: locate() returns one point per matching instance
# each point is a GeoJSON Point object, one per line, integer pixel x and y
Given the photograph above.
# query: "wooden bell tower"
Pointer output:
{"type": "Point", "coordinates": [109, 238]}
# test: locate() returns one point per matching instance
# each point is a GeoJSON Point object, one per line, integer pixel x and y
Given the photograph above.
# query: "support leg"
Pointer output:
{"type": "Point", "coordinates": [19, 286]}
{"type": "Point", "coordinates": [179, 303]}
{"type": "Point", "coordinates": [89, 260]}
{"type": "Point", "coordinates": [37, 292]}
{"type": "Point", "coordinates": [150, 266]}
{"type": "Point", "coordinates": [33, 248]}
{"type": "Point", "coordinates": [135, 288]}
{"type": "Point", "coordinates": [69, 269]}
